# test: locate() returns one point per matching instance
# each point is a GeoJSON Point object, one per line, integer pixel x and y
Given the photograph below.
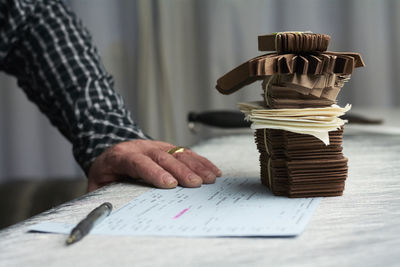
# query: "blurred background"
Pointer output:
{"type": "Point", "coordinates": [166, 56]}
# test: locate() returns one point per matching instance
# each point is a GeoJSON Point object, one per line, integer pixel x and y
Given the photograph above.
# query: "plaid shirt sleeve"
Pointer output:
{"type": "Point", "coordinates": [49, 51]}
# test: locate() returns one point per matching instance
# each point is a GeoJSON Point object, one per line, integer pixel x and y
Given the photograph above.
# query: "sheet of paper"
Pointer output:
{"type": "Point", "coordinates": [230, 207]}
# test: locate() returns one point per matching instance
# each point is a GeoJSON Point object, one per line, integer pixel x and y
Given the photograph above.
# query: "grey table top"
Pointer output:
{"type": "Point", "coordinates": [361, 228]}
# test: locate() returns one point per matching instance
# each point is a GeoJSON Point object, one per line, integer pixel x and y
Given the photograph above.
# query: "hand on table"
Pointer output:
{"type": "Point", "coordinates": [150, 161]}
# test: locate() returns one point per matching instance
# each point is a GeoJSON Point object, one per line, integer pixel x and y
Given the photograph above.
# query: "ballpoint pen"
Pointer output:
{"type": "Point", "coordinates": [93, 218]}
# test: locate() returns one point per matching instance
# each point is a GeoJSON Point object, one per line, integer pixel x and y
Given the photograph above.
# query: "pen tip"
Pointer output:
{"type": "Point", "coordinates": [70, 240]}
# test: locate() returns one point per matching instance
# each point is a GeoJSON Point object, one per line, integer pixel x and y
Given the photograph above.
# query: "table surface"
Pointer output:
{"type": "Point", "coordinates": [360, 228]}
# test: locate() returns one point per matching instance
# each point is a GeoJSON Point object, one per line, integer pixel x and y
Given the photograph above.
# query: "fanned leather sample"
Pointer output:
{"type": "Point", "coordinates": [275, 64]}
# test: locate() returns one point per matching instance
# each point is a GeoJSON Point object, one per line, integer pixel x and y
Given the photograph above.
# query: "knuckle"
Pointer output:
{"type": "Point", "coordinates": [186, 172]}
{"type": "Point", "coordinates": [181, 171]}
{"type": "Point", "coordinates": [188, 152]}
{"type": "Point", "coordinates": [160, 158]}
{"type": "Point", "coordinates": [135, 162]}
{"type": "Point", "coordinates": [158, 175]}
{"type": "Point", "coordinates": [140, 142]}
{"type": "Point", "coordinates": [179, 156]}
{"type": "Point", "coordinates": [118, 149]}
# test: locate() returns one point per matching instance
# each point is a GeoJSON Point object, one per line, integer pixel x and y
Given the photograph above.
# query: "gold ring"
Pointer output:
{"type": "Point", "coordinates": [176, 149]}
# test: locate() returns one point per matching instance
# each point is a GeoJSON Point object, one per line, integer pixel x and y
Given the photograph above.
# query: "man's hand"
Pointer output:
{"type": "Point", "coordinates": [150, 161]}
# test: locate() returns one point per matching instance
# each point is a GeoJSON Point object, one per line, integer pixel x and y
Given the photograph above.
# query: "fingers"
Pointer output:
{"type": "Point", "coordinates": [145, 168]}
{"type": "Point", "coordinates": [184, 174]}
{"type": "Point", "coordinates": [206, 163]}
{"type": "Point", "coordinates": [194, 164]}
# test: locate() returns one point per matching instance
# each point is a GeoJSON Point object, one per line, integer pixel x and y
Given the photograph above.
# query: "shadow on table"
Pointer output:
{"type": "Point", "coordinates": [22, 199]}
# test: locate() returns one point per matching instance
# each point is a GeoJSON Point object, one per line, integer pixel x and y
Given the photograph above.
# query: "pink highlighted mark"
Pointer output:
{"type": "Point", "coordinates": [180, 213]}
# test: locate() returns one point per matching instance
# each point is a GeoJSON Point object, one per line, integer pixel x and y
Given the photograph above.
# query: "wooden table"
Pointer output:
{"type": "Point", "coordinates": [361, 228]}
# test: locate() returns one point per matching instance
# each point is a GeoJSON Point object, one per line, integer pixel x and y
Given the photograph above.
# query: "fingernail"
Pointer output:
{"type": "Point", "coordinates": [210, 177]}
{"type": "Point", "coordinates": [219, 172]}
{"type": "Point", "coordinates": [194, 178]}
{"type": "Point", "coordinates": [169, 180]}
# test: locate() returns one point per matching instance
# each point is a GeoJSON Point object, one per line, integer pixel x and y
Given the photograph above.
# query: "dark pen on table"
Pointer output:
{"type": "Point", "coordinates": [86, 225]}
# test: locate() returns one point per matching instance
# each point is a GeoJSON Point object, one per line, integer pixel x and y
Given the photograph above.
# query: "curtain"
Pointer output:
{"type": "Point", "coordinates": [166, 56]}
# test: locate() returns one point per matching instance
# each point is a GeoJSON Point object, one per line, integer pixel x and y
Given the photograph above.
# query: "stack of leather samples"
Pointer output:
{"type": "Point", "coordinates": [298, 129]}
{"type": "Point", "coordinates": [299, 165]}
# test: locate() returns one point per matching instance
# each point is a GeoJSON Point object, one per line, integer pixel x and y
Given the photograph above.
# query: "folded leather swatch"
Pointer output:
{"type": "Point", "coordinates": [298, 131]}
{"type": "Point", "coordinates": [296, 42]}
